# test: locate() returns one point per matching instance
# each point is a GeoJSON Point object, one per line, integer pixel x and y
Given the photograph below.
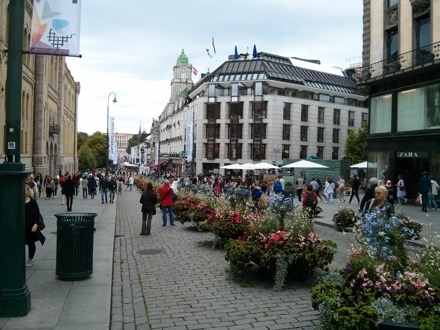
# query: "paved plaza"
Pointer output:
{"type": "Point", "coordinates": [168, 280]}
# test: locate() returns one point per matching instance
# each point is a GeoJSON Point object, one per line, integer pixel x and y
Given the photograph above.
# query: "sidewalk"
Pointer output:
{"type": "Point", "coordinates": [167, 280]}
{"type": "Point", "coordinates": [58, 304]}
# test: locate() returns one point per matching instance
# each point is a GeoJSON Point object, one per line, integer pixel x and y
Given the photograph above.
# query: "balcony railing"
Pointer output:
{"type": "Point", "coordinates": [54, 129]}
{"type": "Point", "coordinates": [421, 57]}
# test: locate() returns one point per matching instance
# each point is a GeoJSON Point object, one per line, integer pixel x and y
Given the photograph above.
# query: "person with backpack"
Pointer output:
{"type": "Point", "coordinates": [261, 198]}
{"type": "Point", "coordinates": [310, 201]}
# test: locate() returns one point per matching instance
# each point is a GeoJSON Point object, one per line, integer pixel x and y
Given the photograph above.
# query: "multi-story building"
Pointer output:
{"type": "Point", "coordinates": [49, 105]}
{"type": "Point", "coordinates": [121, 145]}
{"type": "Point", "coordinates": [401, 72]}
{"type": "Point", "coordinates": [261, 109]}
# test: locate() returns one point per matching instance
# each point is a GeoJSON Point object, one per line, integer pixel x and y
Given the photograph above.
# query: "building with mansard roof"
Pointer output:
{"type": "Point", "coordinates": [265, 108]}
{"type": "Point", "coordinates": [401, 74]}
{"type": "Point", "coordinates": [49, 105]}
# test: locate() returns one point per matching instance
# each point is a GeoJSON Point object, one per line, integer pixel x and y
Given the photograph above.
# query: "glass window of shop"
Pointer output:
{"type": "Point", "coordinates": [380, 114]}
{"type": "Point", "coordinates": [418, 109]}
{"type": "Point", "coordinates": [378, 165]}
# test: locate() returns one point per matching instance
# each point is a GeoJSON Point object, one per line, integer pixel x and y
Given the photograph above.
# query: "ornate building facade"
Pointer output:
{"type": "Point", "coordinates": [49, 105]}
{"type": "Point", "coordinates": [258, 109]}
{"type": "Point", "coordinates": [401, 73]}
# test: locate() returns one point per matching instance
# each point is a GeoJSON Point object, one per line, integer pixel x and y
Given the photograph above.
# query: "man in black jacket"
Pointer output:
{"type": "Point", "coordinates": [103, 185]}
{"type": "Point", "coordinates": [68, 189]}
{"type": "Point", "coordinates": [369, 194]}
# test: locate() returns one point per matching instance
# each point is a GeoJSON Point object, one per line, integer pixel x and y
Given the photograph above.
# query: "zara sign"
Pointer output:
{"type": "Point", "coordinates": [412, 154]}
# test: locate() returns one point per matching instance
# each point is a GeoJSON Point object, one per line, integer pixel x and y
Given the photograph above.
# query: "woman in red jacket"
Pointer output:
{"type": "Point", "coordinates": [166, 203]}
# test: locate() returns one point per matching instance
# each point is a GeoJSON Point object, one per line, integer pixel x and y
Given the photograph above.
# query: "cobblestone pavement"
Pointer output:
{"type": "Point", "coordinates": [167, 281]}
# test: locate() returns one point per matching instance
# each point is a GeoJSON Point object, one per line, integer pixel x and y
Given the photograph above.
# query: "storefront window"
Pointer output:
{"type": "Point", "coordinates": [380, 114]}
{"type": "Point", "coordinates": [378, 166]}
{"type": "Point", "coordinates": [418, 109]}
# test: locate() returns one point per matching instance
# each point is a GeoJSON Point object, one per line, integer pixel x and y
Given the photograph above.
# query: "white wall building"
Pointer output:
{"type": "Point", "coordinates": [260, 109]}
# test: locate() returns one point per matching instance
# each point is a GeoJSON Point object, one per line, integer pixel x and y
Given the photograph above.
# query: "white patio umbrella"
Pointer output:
{"type": "Point", "coordinates": [233, 167]}
{"type": "Point", "coordinates": [304, 164]}
{"type": "Point", "coordinates": [364, 165]}
{"type": "Point", "coordinates": [360, 165]}
{"type": "Point", "coordinates": [265, 166]}
{"type": "Point", "coordinates": [247, 166]}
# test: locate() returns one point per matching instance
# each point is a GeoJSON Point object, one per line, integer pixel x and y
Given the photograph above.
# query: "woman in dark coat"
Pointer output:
{"type": "Point", "coordinates": [68, 189]}
{"type": "Point", "coordinates": [148, 201]}
{"type": "Point", "coordinates": [33, 233]}
{"type": "Point", "coordinates": [92, 186]}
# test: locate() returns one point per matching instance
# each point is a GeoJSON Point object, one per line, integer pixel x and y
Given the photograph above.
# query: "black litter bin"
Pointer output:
{"type": "Point", "coordinates": [75, 245]}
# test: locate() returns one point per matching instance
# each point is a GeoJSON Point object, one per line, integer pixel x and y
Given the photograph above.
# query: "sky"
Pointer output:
{"type": "Point", "coordinates": [130, 47]}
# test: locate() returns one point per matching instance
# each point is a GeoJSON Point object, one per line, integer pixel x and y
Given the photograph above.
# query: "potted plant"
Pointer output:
{"type": "Point", "coordinates": [380, 284]}
{"type": "Point", "coordinates": [294, 249]}
{"type": "Point", "coordinates": [345, 217]}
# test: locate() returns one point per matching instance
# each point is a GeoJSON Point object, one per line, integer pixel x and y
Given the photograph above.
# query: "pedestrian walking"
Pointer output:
{"type": "Point", "coordinates": [39, 182]}
{"type": "Point", "coordinates": [92, 186]}
{"type": "Point", "coordinates": [148, 201]}
{"type": "Point", "coordinates": [401, 190]}
{"type": "Point", "coordinates": [68, 190]}
{"type": "Point", "coordinates": [33, 233]}
{"type": "Point", "coordinates": [329, 190]}
{"type": "Point", "coordinates": [103, 186]}
{"type": "Point", "coordinates": [130, 183]}
{"type": "Point", "coordinates": [369, 193]}
{"type": "Point", "coordinates": [432, 204]}
{"type": "Point", "coordinates": [341, 188]}
{"type": "Point", "coordinates": [424, 190]}
{"type": "Point", "coordinates": [112, 189]}
{"type": "Point", "coordinates": [85, 186]}
{"type": "Point", "coordinates": [166, 202]}
{"type": "Point", "coordinates": [355, 184]}
{"type": "Point", "coordinates": [390, 197]}
{"type": "Point", "coordinates": [50, 186]}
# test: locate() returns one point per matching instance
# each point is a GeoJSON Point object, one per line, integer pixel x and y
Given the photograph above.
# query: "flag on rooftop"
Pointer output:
{"type": "Point", "coordinates": [194, 70]}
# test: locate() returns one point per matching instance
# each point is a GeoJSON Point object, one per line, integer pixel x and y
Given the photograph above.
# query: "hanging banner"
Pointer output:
{"type": "Point", "coordinates": [56, 27]}
{"type": "Point", "coordinates": [189, 141]}
{"type": "Point", "coordinates": [156, 153]}
{"type": "Point", "coordinates": [113, 153]}
{"type": "Point", "coordinates": [111, 137]}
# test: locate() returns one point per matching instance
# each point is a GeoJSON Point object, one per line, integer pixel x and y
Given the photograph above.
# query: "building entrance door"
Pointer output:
{"type": "Point", "coordinates": [411, 169]}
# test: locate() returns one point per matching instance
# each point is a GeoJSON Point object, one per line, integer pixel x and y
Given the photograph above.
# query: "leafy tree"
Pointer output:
{"type": "Point", "coordinates": [134, 141]}
{"type": "Point", "coordinates": [86, 158]}
{"type": "Point", "coordinates": [356, 148]}
{"type": "Point", "coordinates": [82, 138]}
{"type": "Point", "coordinates": [98, 144]}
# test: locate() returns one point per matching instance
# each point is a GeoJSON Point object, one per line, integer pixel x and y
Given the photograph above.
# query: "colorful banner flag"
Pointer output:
{"type": "Point", "coordinates": [56, 27]}
{"type": "Point", "coordinates": [194, 70]}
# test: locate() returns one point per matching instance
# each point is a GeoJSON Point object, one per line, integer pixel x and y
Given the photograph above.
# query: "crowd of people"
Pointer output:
{"type": "Point", "coordinates": [378, 196]}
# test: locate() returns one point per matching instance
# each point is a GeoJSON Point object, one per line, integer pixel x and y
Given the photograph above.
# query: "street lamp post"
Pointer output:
{"type": "Point", "coordinates": [108, 144]}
